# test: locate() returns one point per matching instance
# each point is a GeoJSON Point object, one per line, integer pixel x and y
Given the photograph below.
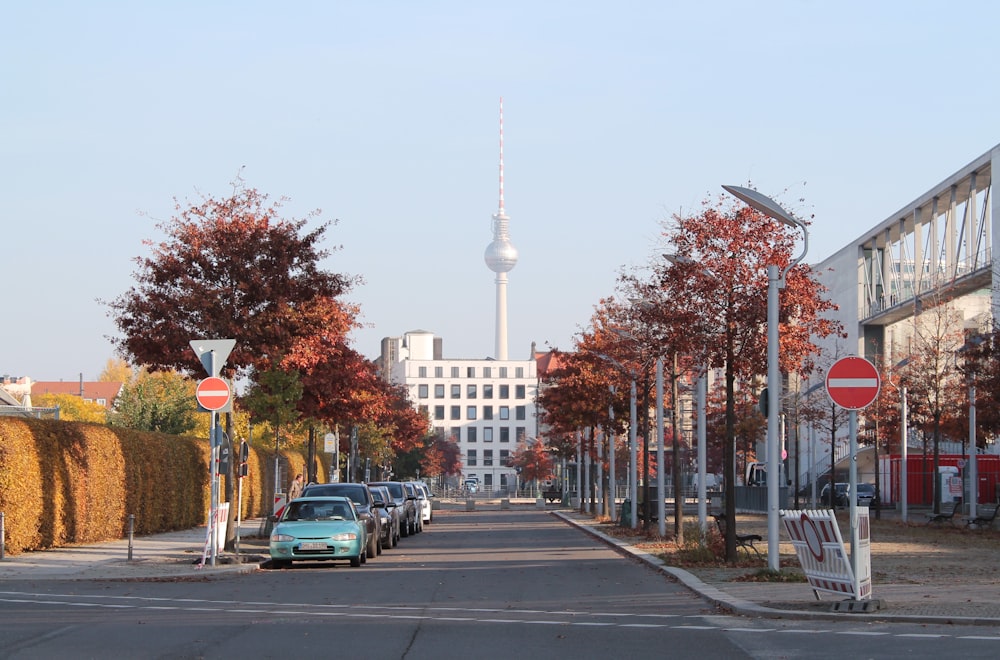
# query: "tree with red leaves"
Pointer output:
{"type": "Point", "coordinates": [716, 280]}
{"type": "Point", "coordinates": [228, 268]}
{"type": "Point", "coordinates": [534, 461]}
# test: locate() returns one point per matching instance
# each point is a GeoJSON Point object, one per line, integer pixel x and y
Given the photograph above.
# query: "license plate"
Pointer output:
{"type": "Point", "coordinates": [312, 545]}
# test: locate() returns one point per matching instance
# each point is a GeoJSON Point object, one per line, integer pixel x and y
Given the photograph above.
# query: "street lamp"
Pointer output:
{"type": "Point", "coordinates": [632, 438]}
{"type": "Point", "coordinates": [775, 281]}
{"type": "Point", "coordinates": [679, 259]}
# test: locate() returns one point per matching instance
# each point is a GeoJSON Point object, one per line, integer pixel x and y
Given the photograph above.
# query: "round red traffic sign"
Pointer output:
{"type": "Point", "coordinates": [853, 382]}
{"type": "Point", "coordinates": [212, 393]}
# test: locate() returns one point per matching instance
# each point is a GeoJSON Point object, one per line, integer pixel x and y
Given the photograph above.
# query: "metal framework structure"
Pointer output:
{"type": "Point", "coordinates": [942, 243]}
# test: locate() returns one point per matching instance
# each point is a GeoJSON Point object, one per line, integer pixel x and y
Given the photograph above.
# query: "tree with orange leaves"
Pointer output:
{"type": "Point", "coordinates": [534, 462]}
{"type": "Point", "coordinates": [710, 292]}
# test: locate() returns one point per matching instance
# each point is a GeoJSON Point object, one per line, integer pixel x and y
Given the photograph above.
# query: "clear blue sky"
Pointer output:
{"type": "Point", "coordinates": [384, 115]}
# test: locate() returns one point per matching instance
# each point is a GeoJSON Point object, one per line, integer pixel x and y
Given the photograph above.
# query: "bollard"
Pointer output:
{"type": "Point", "coordinates": [131, 528]}
{"type": "Point", "coordinates": [3, 536]}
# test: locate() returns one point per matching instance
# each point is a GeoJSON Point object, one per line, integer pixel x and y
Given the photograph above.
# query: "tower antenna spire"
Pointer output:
{"type": "Point", "coordinates": [501, 156]}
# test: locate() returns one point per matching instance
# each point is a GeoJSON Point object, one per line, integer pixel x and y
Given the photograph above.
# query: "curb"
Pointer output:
{"type": "Point", "coordinates": [721, 599]}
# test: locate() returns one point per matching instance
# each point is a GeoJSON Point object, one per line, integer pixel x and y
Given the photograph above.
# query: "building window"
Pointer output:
{"type": "Point", "coordinates": [471, 392]}
{"type": "Point", "coordinates": [456, 412]}
{"type": "Point", "coordinates": [439, 372]}
{"type": "Point", "coordinates": [505, 457]}
{"type": "Point", "coordinates": [470, 372]}
{"type": "Point", "coordinates": [422, 391]}
{"type": "Point", "coordinates": [422, 372]}
{"type": "Point", "coordinates": [423, 410]}
{"type": "Point", "coordinates": [519, 372]}
{"type": "Point", "coordinates": [438, 412]}
{"type": "Point", "coordinates": [521, 434]}
{"type": "Point", "coordinates": [487, 372]}
{"type": "Point", "coordinates": [503, 372]}
{"type": "Point", "coordinates": [470, 434]}
{"type": "Point", "coordinates": [488, 434]}
{"type": "Point", "coordinates": [487, 412]}
{"type": "Point", "coordinates": [505, 391]}
{"type": "Point", "coordinates": [519, 412]}
{"type": "Point", "coordinates": [504, 434]}
{"type": "Point", "coordinates": [470, 412]}
{"type": "Point", "coordinates": [488, 458]}
{"type": "Point", "coordinates": [455, 433]}
{"type": "Point", "coordinates": [488, 391]}
{"type": "Point", "coordinates": [456, 391]}
{"type": "Point", "coordinates": [471, 458]}
{"type": "Point", "coordinates": [455, 371]}
{"type": "Point", "coordinates": [439, 391]}
{"type": "Point", "coordinates": [519, 391]}
{"type": "Point", "coordinates": [504, 412]}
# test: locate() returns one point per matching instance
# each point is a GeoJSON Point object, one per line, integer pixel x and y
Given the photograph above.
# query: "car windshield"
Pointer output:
{"type": "Point", "coordinates": [866, 489]}
{"type": "Point", "coordinates": [318, 510]}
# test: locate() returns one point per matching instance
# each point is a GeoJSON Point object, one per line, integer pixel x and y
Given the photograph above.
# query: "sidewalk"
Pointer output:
{"type": "Point", "coordinates": [173, 555]}
{"type": "Point", "coordinates": [964, 600]}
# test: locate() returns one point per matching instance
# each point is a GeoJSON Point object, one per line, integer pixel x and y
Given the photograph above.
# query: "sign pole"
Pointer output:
{"type": "Point", "coordinates": [852, 426]}
{"type": "Point", "coordinates": [214, 508]}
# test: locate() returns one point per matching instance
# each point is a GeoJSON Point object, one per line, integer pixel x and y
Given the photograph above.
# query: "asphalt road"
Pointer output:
{"type": "Point", "coordinates": [477, 585]}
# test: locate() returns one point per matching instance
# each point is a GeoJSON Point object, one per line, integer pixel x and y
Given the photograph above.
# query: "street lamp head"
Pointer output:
{"type": "Point", "coordinates": [764, 204]}
{"type": "Point", "coordinates": [678, 259]}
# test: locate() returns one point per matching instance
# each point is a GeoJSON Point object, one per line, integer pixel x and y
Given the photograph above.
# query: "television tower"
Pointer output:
{"type": "Point", "coordinates": [501, 257]}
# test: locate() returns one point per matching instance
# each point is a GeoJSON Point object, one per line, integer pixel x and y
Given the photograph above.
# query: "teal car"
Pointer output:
{"type": "Point", "coordinates": [318, 529]}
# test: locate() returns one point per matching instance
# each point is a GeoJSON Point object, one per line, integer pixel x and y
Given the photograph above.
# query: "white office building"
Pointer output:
{"type": "Point", "coordinates": [486, 406]}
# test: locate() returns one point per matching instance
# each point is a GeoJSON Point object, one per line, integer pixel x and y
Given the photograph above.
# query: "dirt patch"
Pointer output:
{"type": "Point", "coordinates": [901, 553]}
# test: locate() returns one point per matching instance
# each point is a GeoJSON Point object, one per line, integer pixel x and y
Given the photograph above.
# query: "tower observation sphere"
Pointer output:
{"type": "Point", "coordinates": [500, 255]}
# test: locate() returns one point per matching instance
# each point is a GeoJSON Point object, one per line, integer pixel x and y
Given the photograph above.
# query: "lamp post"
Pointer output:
{"type": "Point", "coordinates": [903, 440]}
{"type": "Point", "coordinates": [775, 281]}
{"type": "Point", "coordinates": [632, 437]}
{"type": "Point", "coordinates": [661, 523]}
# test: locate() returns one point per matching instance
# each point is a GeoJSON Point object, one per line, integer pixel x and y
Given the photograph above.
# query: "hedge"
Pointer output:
{"type": "Point", "coordinates": [74, 482]}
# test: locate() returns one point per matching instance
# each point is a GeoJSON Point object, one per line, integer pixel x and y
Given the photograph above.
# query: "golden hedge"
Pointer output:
{"type": "Point", "coordinates": [75, 482]}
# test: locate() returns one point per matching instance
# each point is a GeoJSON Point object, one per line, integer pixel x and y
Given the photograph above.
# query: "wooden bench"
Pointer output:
{"type": "Point", "coordinates": [552, 495]}
{"type": "Point", "coordinates": [745, 541]}
{"type": "Point", "coordinates": [981, 521]}
{"type": "Point", "coordinates": [945, 517]}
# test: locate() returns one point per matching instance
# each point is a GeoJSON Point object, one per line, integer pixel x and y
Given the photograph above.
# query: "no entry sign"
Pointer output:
{"type": "Point", "coordinates": [212, 393]}
{"type": "Point", "coordinates": [853, 382]}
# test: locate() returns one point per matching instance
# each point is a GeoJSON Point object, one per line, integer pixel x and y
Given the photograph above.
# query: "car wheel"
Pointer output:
{"type": "Point", "coordinates": [372, 550]}
{"type": "Point", "coordinates": [356, 561]}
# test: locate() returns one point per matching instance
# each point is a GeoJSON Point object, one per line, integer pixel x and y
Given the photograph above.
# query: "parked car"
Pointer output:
{"type": "Point", "coordinates": [406, 503]}
{"type": "Point", "coordinates": [318, 529]}
{"type": "Point", "coordinates": [841, 497]}
{"type": "Point", "coordinates": [412, 494]}
{"type": "Point", "coordinates": [363, 502]}
{"type": "Point", "coordinates": [424, 500]}
{"type": "Point", "coordinates": [389, 512]}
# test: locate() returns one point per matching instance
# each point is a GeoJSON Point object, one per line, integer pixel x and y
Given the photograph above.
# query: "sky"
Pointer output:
{"type": "Point", "coordinates": [384, 116]}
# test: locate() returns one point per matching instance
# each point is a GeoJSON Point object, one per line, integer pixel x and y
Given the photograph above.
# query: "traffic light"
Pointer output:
{"type": "Point", "coordinates": [244, 456]}
{"type": "Point", "coordinates": [762, 402]}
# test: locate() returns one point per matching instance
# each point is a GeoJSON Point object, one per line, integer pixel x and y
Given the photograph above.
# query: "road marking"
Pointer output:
{"type": "Point", "coordinates": [571, 617]}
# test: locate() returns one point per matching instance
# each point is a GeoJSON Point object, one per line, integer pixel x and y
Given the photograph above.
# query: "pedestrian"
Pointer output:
{"type": "Point", "coordinates": [295, 489]}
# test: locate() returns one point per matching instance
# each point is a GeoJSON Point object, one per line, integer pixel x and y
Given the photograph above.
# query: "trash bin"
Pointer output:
{"type": "Point", "coordinates": [625, 517]}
